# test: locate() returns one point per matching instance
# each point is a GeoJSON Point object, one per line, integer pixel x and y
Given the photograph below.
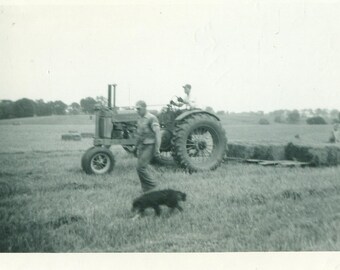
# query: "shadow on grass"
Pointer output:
{"type": "Point", "coordinates": [33, 236]}
{"type": "Point", "coordinates": [77, 186]}
{"type": "Point", "coordinates": [11, 189]}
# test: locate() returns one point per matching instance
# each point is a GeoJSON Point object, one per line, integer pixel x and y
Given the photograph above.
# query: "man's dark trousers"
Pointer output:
{"type": "Point", "coordinates": [145, 154]}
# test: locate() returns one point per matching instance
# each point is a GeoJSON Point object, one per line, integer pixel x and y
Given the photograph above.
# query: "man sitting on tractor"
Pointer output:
{"type": "Point", "coordinates": [187, 100]}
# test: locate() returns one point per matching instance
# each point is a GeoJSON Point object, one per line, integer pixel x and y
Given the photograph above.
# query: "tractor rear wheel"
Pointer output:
{"type": "Point", "coordinates": [165, 157]}
{"type": "Point", "coordinates": [199, 143]}
{"type": "Point", "coordinates": [97, 160]}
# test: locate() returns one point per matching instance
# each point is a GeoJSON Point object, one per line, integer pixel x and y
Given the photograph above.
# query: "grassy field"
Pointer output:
{"type": "Point", "coordinates": [238, 129]}
{"type": "Point", "coordinates": [51, 120]}
{"type": "Point", "coordinates": [48, 204]}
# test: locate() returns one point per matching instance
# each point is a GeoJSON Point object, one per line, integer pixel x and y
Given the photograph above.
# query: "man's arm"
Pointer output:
{"type": "Point", "coordinates": [190, 102]}
{"type": "Point", "coordinates": [179, 104]}
{"type": "Point", "coordinates": [156, 129]}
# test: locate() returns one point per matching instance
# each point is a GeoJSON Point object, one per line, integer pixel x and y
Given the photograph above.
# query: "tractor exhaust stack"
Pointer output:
{"type": "Point", "coordinates": [114, 95]}
{"type": "Point", "coordinates": [111, 98]}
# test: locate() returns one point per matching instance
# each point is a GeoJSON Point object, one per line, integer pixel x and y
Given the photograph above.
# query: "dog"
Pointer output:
{"type": "Point", "coordinates": [154, 199]}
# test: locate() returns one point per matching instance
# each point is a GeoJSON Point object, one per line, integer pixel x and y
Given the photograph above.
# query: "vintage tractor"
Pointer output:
{"type": "Point", "coordinates": [192, 138]}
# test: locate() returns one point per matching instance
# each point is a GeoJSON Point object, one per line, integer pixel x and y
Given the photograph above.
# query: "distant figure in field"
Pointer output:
{"type": "Point", "coordinates": [187, 100]}
{"type": "Point", "coordinates": [335, 135]}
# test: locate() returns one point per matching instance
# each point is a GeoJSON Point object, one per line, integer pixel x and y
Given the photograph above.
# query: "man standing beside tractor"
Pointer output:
{"type": "Point", "coordinates": [148, 144]}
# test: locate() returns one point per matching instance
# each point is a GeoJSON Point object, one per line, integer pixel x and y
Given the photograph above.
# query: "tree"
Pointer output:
{"type": "Point", "coordinates": [74, 108]}
{"type": "Point", "coordinates": [279, 115]}
{"type": "Point", "coordinates": [59, 107]}
{"type": "Point", "coordinates": [87, 105]}
{"type": "Point", "coordinates": [263, 121]}
{"type": "Point", "coordinates": [316, 120]}
{"type": "Point", "coordinates": [334, 113]}
{"type": "Point", "coordinates": [6, 109]}
{"type": "Point", "coordinates": [278, 119]}
{"type": "Point", "coordinates": [337, 120]}
{"type": "Point", "coordinates": [304, 113]}
{"type": "Point", "coordinates": [102, 101]}
{"type": "Point", "coordinates": [24, 107]}
{"type": "Point", "coordinates": [293, 117]}
{"type": "Point", "coordinates": [311, 112]}
{"type": "Point", "coordinates": [321, 112]}
{"type": "Point", "coordinates": [42, 108]}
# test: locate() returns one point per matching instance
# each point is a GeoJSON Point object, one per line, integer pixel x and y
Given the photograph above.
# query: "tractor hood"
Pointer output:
{"type": "Point", "coordinates": [124, 116]}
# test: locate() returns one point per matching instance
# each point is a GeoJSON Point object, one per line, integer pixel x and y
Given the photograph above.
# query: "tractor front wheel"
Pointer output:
{"type": "Point", "coordinates": [98, 160]}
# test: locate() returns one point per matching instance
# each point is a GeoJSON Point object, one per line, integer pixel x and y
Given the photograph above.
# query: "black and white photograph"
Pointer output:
{"type": "Point", "coordinates": [171, 128]}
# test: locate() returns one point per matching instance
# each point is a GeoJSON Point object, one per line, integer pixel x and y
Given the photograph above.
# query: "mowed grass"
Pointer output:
{"type": "Point", "coordinates": [48, 204]}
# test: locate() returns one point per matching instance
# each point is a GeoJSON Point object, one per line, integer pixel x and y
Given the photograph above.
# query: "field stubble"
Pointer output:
{"type": "Point", "coordinates": [47, 204]}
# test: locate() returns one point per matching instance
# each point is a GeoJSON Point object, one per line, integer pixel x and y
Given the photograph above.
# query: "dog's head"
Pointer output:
{"type": "Point", "coordinates": [181, 196]}
{"type": "Point", "coordinates": [135, 206]}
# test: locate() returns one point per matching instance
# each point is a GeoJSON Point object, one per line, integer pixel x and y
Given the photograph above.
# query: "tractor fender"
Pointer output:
{"type": "Point", "coordinates": [188, 113]}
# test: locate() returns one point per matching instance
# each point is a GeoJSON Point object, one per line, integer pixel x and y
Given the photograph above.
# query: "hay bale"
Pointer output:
{"type": "Point", "coordinates": [262, 152]}
{"type": "Point", "coordinates": [333, 156]}
{"type": "Point", "coordinates": [256, 151]}
{"type": "Point", "coordinates": [237, 150]}
{"type": "Point", "coordinates": [301, 153]}
{"type": "Point", "coordinates": [87, 135]}
{"type": "Point", "coordinates": [316, 155]}
{"type": "Point", "coordinates": [263, 121]}
{"type": "Point", "coordinates": [71, 137]}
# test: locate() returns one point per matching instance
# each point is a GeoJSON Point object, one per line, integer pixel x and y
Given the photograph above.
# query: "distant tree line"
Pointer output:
{"type": "Point", "coordinates": [28, 108]}
{"type": "Point", "coordinates": [309, 116]}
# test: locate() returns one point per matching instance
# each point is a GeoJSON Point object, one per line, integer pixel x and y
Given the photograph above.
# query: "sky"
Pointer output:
{"type": "Point", "coordinates": [237, 55]}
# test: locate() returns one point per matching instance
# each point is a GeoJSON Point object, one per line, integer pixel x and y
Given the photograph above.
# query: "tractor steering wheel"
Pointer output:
{"type": "Point", "coordinates": [174, 103]}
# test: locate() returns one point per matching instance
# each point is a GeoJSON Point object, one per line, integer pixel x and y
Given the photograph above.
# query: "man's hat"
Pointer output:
{"type": "Point", "coordinates": [140, 104]}
{"type": "Point", "coordinates": [187, 86]}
